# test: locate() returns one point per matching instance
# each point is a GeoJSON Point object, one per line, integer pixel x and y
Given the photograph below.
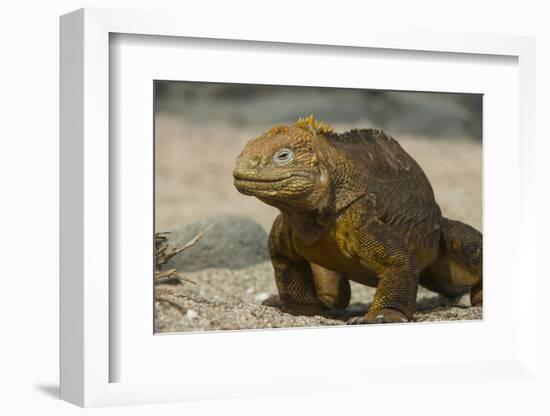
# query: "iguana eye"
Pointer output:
{"type": "Point", "coordinates": [283, 156]}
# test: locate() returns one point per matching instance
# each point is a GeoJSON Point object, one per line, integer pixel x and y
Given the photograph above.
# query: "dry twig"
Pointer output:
{"type": "Point", "coordinates": [162, 298]}
{"type": "Point", "coordinates": [163, 254]}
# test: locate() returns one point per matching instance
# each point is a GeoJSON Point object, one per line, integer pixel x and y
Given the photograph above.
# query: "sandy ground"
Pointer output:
{"type": "Point", "coordinates": [232, 275]}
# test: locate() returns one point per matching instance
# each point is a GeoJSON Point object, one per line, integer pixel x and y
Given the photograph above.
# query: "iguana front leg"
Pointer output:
{"type": "Point", "coordinates": [384, 252]}
{"type": "Point", "coordinates": [293, 275]}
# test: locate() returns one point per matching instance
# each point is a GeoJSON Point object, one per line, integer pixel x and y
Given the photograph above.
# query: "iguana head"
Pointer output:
{"type": "Point", "coordinates": [284, 167]}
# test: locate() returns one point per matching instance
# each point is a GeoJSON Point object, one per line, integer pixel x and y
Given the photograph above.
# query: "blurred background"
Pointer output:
{"type": "Point", "coordinates": [200, 128]}
{"type": "Point", "coordinates": [431, 114]}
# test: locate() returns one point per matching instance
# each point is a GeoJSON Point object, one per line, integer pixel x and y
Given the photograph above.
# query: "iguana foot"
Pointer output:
{"type": "Point", "coordinates": [476, 296]}
{"type": "Point", "coordinates": [273, 300]}
{"type": "Point", "coordinates": [305, 309]}
{"type": "Point", "coordinates": [380, 316]}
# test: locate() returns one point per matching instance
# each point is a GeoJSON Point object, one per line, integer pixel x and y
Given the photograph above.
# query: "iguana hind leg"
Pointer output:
{"type": "Point", "coordinates": [458, 267]}
{"type": "Point", "coordinates": [333, 289]}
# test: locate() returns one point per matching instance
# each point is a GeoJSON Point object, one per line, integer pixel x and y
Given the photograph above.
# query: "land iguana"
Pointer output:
{"type": "Point", "coordinates": [354, 206]}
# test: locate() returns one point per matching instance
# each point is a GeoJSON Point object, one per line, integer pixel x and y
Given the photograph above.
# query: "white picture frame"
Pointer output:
{"type": "Point", "coordinates": [87, 356]}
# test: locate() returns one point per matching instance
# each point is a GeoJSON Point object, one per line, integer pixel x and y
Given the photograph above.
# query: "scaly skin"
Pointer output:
{"type": "Point", "coordinates": [354, 206]}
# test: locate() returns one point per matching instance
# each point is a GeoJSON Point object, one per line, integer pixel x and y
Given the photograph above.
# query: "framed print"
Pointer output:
{"type": "Point", "coordinates": [242, 199]}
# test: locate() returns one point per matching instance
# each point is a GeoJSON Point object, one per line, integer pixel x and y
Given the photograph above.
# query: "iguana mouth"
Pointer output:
{"type": "Point", "coordinates": [273, 187]}
{"type": "Point", "coordinates": [251, 179]}
{"type": "Point", "coordinates": [267, 180]}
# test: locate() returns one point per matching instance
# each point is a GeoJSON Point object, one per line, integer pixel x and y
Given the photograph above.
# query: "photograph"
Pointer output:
{"type": "Point", "coordinates": [279, 206]}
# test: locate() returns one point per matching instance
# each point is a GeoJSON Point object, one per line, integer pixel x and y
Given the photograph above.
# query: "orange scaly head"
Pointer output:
{"type": "Point", "coordinates": [282, 167]}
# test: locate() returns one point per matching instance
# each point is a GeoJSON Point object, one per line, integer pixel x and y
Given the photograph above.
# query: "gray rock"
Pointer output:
{"type": "Point", "coordinates": [232, 242]}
